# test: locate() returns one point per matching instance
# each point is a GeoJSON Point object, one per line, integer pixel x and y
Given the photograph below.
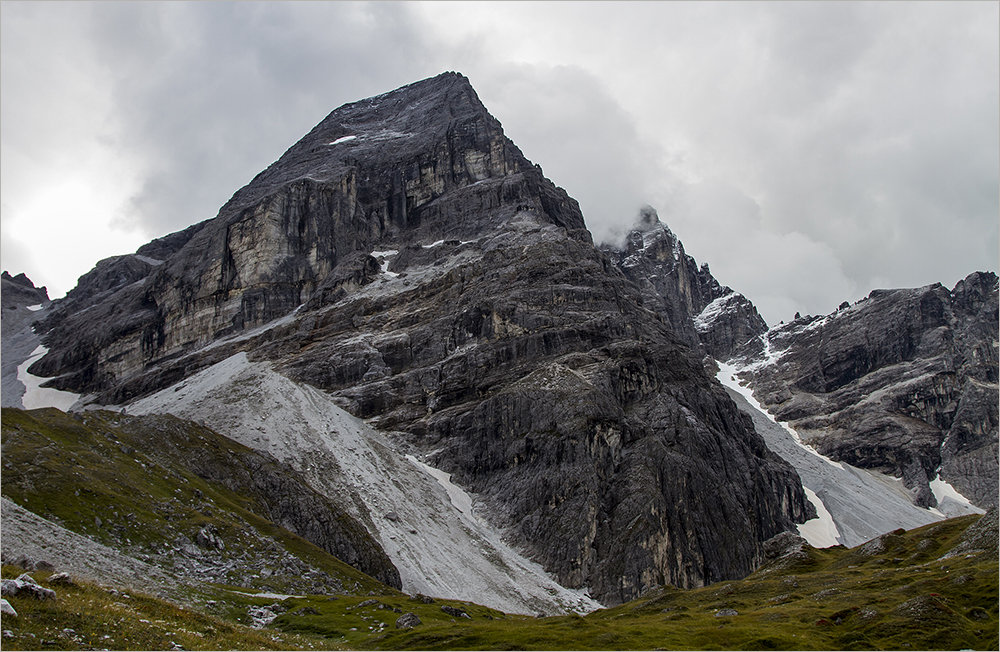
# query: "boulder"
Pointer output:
{"type": "Point", "coordinates": [6, 608]}
{"type": "Point", "coordinates": [61, 578]}
{"type": "Point", "coordinates": [25, 585]}
{"type": "Point", "coordinates": [454, 611]}
{"type": "Point", "coordinates": [408, 620]}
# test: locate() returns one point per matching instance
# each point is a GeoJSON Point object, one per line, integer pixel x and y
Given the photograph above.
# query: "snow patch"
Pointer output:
{"type": "Point", "coordinates": [35, 308]}
{"type": "Point", "coordinates": [951, 503]}
{"type": "Point", "coordinates": [944, 490]}
{"type": "Point", "coordinates": [703, 320]}
{"type": "Point", "coordinates": [36, 396]}
{"type": "Point", "coordinates": [433, 244]}
{"type": "Point", "coordinates": [385, 255]}
{"type": "Point", "coordinates": [149, 261]}
{"type": "Point", "coordinates": [727, 376]}
{"type": "Point", "coordinates": [820, 532]}
{"type": "Point", "coordinates": [343, 139]}
{"type": "Point", "coordinates": [461, 500]}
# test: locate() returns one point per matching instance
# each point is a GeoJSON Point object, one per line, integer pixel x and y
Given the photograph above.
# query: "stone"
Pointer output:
{"type": "Point", "coordinates": [726, 612]}
{"type": "Point", "coordinates": [408, 620]}
{"type": "Point", "coordinates": [61, 578]}
{"type": "Point", "coordinates": [208, 537]}
{"type": "Point", "coordinates": [7, 610]}
{"type": "Point", "coordinates": [454, 611]}
{"type": "Point", "coordinates": [25, 562]}
{"type": "Point", "coordinates": [782, 545]}
{"type": "Point", "coordinates": [25, 585]}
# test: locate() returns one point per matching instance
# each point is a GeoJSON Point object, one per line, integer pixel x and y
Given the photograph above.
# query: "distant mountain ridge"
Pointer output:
{"type": "Point", "coordinates": [903, 381]}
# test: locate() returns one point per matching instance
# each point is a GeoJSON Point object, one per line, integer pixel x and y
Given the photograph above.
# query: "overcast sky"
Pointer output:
{"type": "Point", "coordinates": [808, 153]}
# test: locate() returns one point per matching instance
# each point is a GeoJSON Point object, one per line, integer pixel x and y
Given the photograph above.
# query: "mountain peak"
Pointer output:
{"type": "Point", "coordinates": [400, 125]}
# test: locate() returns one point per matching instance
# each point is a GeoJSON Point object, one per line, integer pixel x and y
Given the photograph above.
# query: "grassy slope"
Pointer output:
{"type": "Point", "coordinates": [903, 597]}
{"type": "Point", "coordinates": [896, 594]}
{"type": "Point", "coordinates": [81, 471]}
{"type": "Point", "coordinates": [85, 616]}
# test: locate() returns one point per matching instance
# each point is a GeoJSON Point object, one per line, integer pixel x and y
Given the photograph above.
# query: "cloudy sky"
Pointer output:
{"type": "Point", "coordinates": [809, 152]}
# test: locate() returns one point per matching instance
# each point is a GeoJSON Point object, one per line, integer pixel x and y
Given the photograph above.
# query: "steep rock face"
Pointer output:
{"type": "Point", "coordinates": [20, 291]}
{"type": "Point", "coordinates": [904, 382]}
{"type": "Point", "coordinates": [427, 160]}
{"type": "Point", "coordinates": [405, 257]}
{"type": "Point", "coordinates": [20, 303]}
{"type": "Point", "coordinates": [695, 305]}
{"type": "Point", "coordinates": [546, 388]}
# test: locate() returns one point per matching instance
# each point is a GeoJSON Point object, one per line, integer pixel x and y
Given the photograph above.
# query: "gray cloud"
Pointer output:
{"type": "Point", "coordinates": [807, 151]}
{"type": "Point", "coordinates": [565, 119]}
{"type": "Point", "coordinates": [215, 92]}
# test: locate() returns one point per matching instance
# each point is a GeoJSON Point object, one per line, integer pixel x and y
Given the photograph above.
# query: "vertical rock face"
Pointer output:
{"type": "Point", "coordinates": [406, 258]}
{"type": "Point", "coordinates": [425, 161]}
{"type": "Point", "coordinates": [904, 382]}
{"type": "Point", "coordinates": [696, 306]}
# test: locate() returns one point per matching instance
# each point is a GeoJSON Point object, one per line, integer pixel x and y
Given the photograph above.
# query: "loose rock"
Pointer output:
{"type": "Point", "coordinates": [407, 621]}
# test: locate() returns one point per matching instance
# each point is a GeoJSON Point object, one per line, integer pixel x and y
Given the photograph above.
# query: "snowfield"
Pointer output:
{"type": "Point", "coordinates": [854, 505]}
{"type": "Point", "coordinates": [36, 396]}
{"type": "Point", "coordinates": [703, 320]}
{"type": "Point", "coordinates": [426, 524]}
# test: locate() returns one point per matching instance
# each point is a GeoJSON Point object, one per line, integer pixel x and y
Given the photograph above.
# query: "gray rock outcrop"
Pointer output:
{"type": "Point", "coordinates": [409, 620]}
{"type": "Point", "coordinates": [903, 382]}
{"type": "Point", "coordinates": [699, 309]}
{"type": "Point", "coordinates": [25, 585]}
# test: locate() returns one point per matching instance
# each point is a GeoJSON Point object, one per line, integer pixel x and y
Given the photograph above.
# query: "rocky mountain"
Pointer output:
{"type": "Point", "coordinates": [703, 312]}
{"type": "Point", "coordinates": [20, 291]}
{"type": "Point", "coordinates": [903, 382]}
{"type": "Point", "coordinates": [407, 260]}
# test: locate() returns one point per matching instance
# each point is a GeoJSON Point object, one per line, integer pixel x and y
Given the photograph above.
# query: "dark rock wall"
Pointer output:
{"type": "Point", "coordinates": [904, 382]}
{"type": "Point", "coordinates": [674, 286]}
{"type": "Point", "coordinates": [548, 388]}
{"type": "Point", "coordinates": [20, 291]}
